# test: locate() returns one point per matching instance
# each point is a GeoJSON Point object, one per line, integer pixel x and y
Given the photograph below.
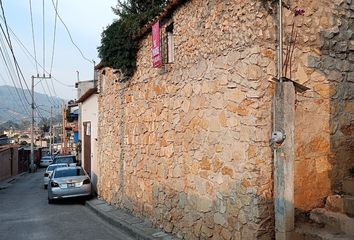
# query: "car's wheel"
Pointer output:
{"type": "Point", "coordinates": [50, 201]}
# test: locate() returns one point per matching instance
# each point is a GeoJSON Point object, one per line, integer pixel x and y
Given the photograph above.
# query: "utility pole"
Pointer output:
{"type": "Point", "coordinates": [284, 154]}
{"type": "Point", "coordinates": [32, 165]}
{"type": "Point", "coordinates": [65, 137]}
{"type": "Point", "coordinates": [51, 130]}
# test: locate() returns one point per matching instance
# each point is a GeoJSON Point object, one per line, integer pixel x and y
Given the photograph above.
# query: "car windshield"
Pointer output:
{"type": "Point", "coordinates": [51, 168]}
{"type": "Point", "coordinates": [69, 172]}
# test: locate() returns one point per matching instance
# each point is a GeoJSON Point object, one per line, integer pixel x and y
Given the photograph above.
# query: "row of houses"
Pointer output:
{"type": "Point", "coordinates": [186, 144]}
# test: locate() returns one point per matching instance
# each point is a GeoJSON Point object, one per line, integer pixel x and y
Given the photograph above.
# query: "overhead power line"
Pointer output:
{"type": "Point", "coordinates": [28, 53]}
{"type": "Point", "coordinates": [18, 69]}
{"type": "Point", "coordinates": [54, 36]}
{"type": "Point", "coordinates": [8, 41]}
{"type": "Point", "coordinates": [13, 81]}
{"type": "Point", "coordinates": [43, 39]}
{"type": "Point", "coordinates": [67, 30]}
{"type": "Point", "coordinates": [53, 47]}
{"type": "Point", "coordinates": [33, 36]}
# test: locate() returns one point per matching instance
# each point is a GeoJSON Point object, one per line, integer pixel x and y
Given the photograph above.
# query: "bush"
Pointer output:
{"type": "Point", "coordinates": [118, 47]}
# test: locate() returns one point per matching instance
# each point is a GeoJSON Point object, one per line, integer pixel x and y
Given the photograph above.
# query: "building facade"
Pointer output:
{"type": "Point", "coordinates": [88, 131]}
{"type": "Point", "coordinates": [186, 145]}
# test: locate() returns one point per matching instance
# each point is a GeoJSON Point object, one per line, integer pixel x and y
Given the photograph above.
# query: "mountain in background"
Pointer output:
{"type": "Point", "coordinates": [11, 108]}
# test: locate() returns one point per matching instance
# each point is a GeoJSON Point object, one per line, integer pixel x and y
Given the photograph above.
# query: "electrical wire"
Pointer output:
{"type": "Point", "coordinates": [67, 30]}
{"type": "Point", "coordinates": [33, 36]}
{"type": "Point", "coordinates": [13, 81]}
{"type": "Point", "coordinates": [18, 101]}
{"type": "Point", "coordinates": [43, 40]}
{"type": "Point", "coordinates": [28, 53]}
{"type": "Point", "coordinates": [10, 69]}
{"type": "Point", "coordinates": [50, 99]}
{"type": "Point", "coordinates": [18, 69]}
{"type": "Point", "coordinates": [54, 37]}
{"type": "Point", "coordinates": [8, 41]}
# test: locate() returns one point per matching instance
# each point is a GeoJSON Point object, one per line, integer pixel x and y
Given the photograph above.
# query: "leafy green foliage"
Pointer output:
{"type": "Point", "coordinates": [118, 47]}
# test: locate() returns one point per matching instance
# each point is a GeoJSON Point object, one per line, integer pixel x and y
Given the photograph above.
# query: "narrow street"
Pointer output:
{"type": "Point", "coordinates": [26, 214]}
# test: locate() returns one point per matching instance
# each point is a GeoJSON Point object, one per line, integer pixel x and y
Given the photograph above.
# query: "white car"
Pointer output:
{"type": "Point", "coordinates": [69, 182]}
{"type": "Point", "coordinates": [49, 171]}
{"type": "Point", "coordinates": [46, 161]}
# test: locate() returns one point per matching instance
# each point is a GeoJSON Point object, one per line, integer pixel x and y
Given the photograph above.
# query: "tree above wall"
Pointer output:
{"type": "Point", "coordinates": [118, 47]}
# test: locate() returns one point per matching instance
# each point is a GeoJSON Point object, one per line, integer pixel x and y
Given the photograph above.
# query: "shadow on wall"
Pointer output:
{"type": "Point", "coordinates": [327, 157]}
{"type": "Point", "coordinates": [94, 180]}
{"type": "Point", "coordinates": [336, 62]}
{"type": "Point", "coordinates": [236, 215]}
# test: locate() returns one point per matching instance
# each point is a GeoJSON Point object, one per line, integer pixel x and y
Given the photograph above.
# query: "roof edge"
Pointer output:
{"type": "Point", "coordinates": [87, 94]}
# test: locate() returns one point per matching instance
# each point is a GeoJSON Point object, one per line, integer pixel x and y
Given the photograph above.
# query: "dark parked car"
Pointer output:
{"type": "Point", "coordinates": [68, 159]}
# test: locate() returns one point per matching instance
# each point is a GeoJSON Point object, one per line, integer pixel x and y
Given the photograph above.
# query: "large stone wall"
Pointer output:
{"type": "Point", "coordinates": [187, 146]}
{"type": "Point", "coordinates": [324, 134]}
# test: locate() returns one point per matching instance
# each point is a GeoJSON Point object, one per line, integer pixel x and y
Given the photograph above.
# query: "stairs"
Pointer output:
{"type": "Point", "coordinates": [334, 222]}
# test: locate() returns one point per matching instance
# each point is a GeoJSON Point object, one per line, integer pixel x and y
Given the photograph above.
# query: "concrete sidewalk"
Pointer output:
{"type": "Point", "coordinates": [136, 227]}
{"type": "Point", "coordinates": [8, 182]}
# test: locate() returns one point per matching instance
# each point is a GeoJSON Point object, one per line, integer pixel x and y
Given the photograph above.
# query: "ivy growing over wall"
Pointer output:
{"type": "Point", "coordinates": [118, 47]}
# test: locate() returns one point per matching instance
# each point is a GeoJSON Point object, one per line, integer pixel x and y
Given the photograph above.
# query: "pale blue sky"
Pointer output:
{"type": "Point", "coordinates": [85, 20]}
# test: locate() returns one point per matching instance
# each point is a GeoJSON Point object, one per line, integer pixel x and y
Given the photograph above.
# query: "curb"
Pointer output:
{"type": "Point", "coordinates": [135, 227]}
{"type": "Point", "coordinates": [7, 182]}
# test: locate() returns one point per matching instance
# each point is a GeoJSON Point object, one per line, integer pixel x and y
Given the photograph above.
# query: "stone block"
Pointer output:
{"type": "Point", "coordinates": [334, 203]}
{"type": "Point", "coordinates": [348, 186]}
{"type": "Point", "coordinates": [334, 220]}
{"type": "Point", "coordinates": [226, 234]}
{"type": "Point", "coordinates": [349, 205]}
{"type": "Point", "coordinates": [204, 205]}
{"type": "Point", "coordinates": [219, 219]}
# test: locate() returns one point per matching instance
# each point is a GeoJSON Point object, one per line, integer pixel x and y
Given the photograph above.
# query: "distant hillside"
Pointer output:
{"type": "Point", "coordinates": [8, 125]}
{"type": "Point", "coordinates": [11, 108]}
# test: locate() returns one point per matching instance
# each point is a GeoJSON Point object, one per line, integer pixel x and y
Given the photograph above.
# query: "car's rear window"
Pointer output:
{"type": "Point", "coordinates": [69, 172]}
{"type": "Point", "coordinates": [51, 168]}
{"type": "Point", "coordinates": [64, 159]}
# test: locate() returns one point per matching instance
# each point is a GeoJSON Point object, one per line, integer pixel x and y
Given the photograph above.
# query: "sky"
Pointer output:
{"type": "Point", "coordinates": [85, 20]}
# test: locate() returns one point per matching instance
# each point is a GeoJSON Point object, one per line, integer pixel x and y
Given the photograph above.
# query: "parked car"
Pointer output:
{"type": "Point", "coordinates": [46, 161]}
{"type": "Point", "coordinates": [49, 171]}
{"type": "Point", "coordinates": [68, 182]}
{"type": "Point", "coordinates": [68, 159]}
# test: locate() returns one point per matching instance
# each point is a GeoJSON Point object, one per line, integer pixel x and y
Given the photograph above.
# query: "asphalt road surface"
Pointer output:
{"type": "Point", "coordinates": [26, 214]}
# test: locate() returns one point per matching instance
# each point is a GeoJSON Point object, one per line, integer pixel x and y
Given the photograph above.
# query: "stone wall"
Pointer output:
{"type": "Point", "coordinates": [187, 146]}
{"type": "Point", "coordinates": [324, 135]}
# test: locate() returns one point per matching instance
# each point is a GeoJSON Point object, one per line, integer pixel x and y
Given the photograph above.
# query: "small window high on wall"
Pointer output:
{"type": "Point", "coordinates": [170, 44]}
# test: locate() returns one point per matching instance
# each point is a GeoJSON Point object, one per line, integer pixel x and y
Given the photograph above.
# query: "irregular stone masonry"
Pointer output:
{"type": "Point", "coordinates": [187, 146]}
